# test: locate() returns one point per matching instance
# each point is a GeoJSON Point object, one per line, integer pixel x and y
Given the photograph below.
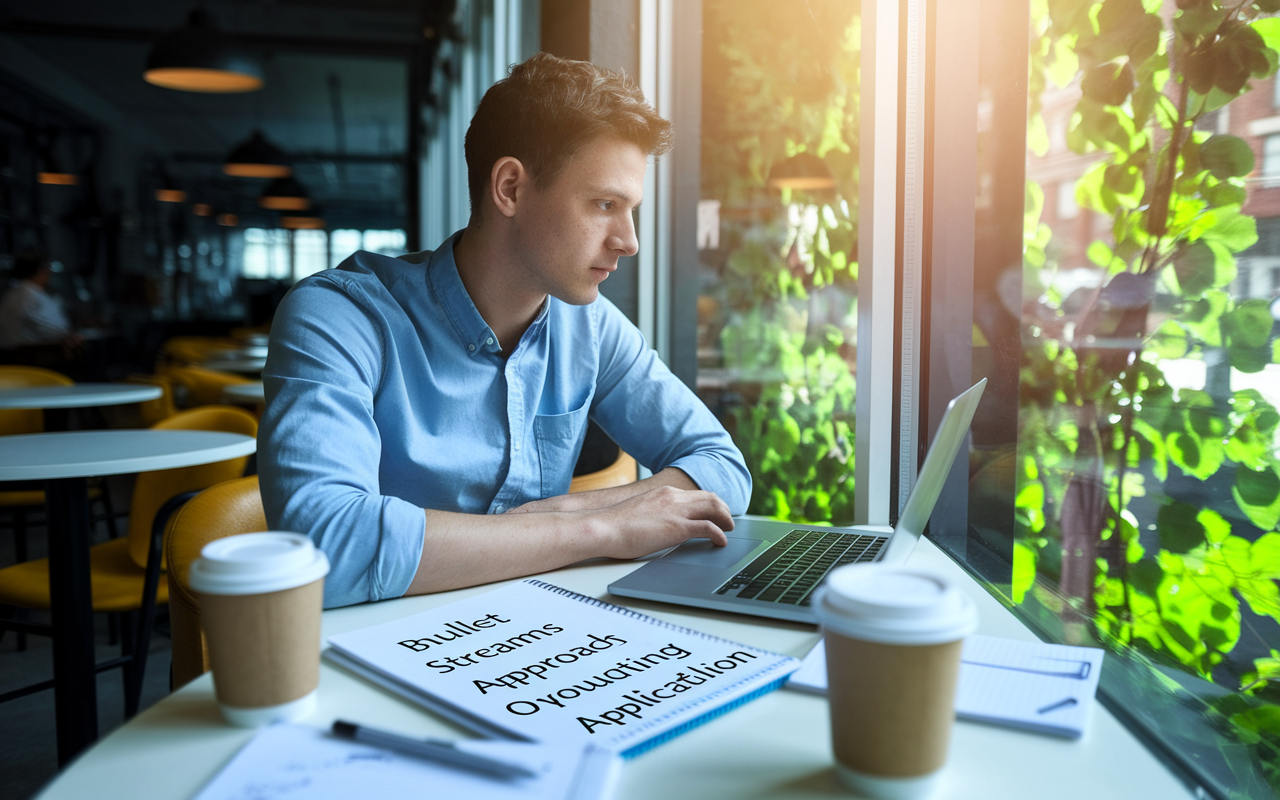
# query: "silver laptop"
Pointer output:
{"type": "Point", "coordinates": [771, 568]}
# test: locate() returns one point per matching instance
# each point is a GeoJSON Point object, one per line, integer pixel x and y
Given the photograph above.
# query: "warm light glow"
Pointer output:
{"type": "Point", "coordinates": [285, 203]}
{"type": "Point", "coordinates": [202, 210]}
{"type": "Point", "coordinates": [58, 178]}
{"type": "Point", "coordinates": [257, 170]}
{"type": "Point", "coordinates": [211, 81]}
{"type": "Point", "coordinates": [171, 195]}
{"type": "Point", "coordinates": [804, 183]}
{"type": "Point", "coordinates": [228, 220]}
{"type": "Point", "coordinates": [302, 223]}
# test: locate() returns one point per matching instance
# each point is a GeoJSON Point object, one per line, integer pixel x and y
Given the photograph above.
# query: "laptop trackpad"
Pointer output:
{"type": "Point", "coordinates": [702, 553]}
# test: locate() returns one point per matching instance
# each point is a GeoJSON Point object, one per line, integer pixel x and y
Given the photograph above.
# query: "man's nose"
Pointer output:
{"type": "Point", "coordinates": [624, 238]}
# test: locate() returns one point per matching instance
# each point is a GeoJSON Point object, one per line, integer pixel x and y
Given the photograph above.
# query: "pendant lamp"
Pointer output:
{"type": "Point", "coordinates": [200, 58]}
{"type": "Point", "coordinates": [285, 194]}
{"type": "Point", "coordinates": [803, 171]}
{"type": "Point", "coordinates": [52, 175]}
{"type": "Point", "coordinates": [169, 192]}
{"type": "Point", "coordinates": [202, 210]}
{"type": "Point", "coordinates": [227, 220]}
{"type": "Point", "coordinates": [256, 157]}
{"type": "Point", "coordinates": [311, 221]}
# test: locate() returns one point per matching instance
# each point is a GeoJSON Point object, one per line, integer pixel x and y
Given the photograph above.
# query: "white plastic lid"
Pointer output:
{"type": "Point", "coordinates": [894, 605]}
{"type": "Point", "coordinates": [257, 563]}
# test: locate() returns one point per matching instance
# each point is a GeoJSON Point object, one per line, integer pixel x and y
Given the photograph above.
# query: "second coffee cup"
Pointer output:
{"type": "Point", "coordinates": [260, 598]}
{"type": "Point", "coordinates": [893, 638]}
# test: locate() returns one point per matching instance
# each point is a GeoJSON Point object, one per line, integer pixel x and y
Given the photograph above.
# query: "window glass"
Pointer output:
{"type": "Point", "coordinates": [777, 240]}
{"type": "Point", "coordinates": [310, 253]}
{"type": "Point", "coordinates": [266, 253]}
{"type": "Point", "coordinates": [387, 243]}
{"type": "Point", "coordinates": [1145, 476]}
{"type": "Point", "coordinates": [342, 243]}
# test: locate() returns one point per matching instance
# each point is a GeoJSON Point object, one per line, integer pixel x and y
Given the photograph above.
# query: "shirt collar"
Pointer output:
{"type": "Point", "coordinates": [446, 284]}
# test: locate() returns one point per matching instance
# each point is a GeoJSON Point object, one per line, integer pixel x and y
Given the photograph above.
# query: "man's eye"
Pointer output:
{"type": "Point", "coordinates": [605, 205]}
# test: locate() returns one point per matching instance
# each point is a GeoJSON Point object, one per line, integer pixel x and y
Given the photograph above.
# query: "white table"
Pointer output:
{"type": "Point", "coordinates": [55, 400]}
{"type": "Point", "coordinates": [242, 365]}
{"type": "Point", "coordinates": [773, 747]}
{"type": "Point", "coordinates": [248, 393]}
{"type": "Point", "coordinates": [64, 460]}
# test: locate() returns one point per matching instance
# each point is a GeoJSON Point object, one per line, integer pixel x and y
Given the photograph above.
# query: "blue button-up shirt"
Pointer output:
{"type": "Point", "coordinates": [387, 393]}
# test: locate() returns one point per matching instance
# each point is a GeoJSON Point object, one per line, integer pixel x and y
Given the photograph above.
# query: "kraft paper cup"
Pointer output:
{"type": "Point", "coordinates": [893, 638]}
{"type": "Point", "coordinates": [260, 598]}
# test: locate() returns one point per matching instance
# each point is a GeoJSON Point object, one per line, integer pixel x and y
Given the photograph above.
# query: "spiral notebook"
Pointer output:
{"type": "Point", "coordinates": [535, 662]}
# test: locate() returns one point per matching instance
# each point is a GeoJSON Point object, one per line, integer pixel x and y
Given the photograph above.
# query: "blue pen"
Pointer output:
{"type": "Point", "coordinates": [443, 752]}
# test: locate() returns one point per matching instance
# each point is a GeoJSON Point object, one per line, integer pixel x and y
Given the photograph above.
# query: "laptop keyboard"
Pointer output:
{"type": "Point", "coordinates": [789, 571]}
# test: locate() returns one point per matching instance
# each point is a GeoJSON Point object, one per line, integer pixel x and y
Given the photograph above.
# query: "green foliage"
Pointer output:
{"type": "Point", "coordinates": [797, 253]}
{"type": "Point", "coordinates": [1097, 410]}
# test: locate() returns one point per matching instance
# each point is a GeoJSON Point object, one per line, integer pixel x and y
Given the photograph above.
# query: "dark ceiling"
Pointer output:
{"type": "Point", "coordinates": [336, 75]}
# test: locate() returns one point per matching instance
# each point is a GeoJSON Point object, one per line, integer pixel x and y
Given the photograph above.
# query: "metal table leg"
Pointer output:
{"type": "Point", "coordinates": [71, 600]}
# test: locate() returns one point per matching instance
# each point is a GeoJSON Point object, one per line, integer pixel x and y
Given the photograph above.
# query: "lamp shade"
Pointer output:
{"type": "Point", "coordinates": [803, 171]}
{"type": "Point", "coordinates": [285, 194]}
{"type": "Point", "coordinates": [58, 178]}
{"type": "Point", "coordinates": [302, 223]}
{"type": "Point", "coordinates": [202, 210]}
{"type": "Point", "coordinates": [257, 158]}
{"type": "Point", "coordinates": [169, 192]}
{"type": "Point", "coordinates": [227, 220]}
{"type": "Point", "coordinates": [200, 58]}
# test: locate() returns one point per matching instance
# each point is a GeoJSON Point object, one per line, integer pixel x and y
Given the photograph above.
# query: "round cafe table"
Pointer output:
{"type": "Point", "coordinates": [58, 400]}
{"type": "Point", "coordinates": [64, 461]}
{"type": "Point", "coordinates": [247, 393]}
{"type": "Point", "coordinates": [240, 364]}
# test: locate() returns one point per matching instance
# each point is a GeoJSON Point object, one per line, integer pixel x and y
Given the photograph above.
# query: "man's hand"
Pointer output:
{"type": "Point", "coordinates": [662, 518]}
{"type": "Point", "coordinates": [469, 549]}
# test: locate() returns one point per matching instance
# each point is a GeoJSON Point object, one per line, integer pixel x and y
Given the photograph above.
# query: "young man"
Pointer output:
{"type": "Point", "coordinates": [424, 414]}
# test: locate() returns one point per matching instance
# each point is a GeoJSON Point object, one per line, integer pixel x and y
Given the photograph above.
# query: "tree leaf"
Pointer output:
{"type": "Point", "coordinates": [1180, 530]}
{"type": "Point", "coordinates": [1226, 156]}
{"type": "Point", "coordinates": [1109, 84]}
{"type": "Point", "coordinates": [1249, 323]}
{"type": "Point", "coordinates": [1195, 268]}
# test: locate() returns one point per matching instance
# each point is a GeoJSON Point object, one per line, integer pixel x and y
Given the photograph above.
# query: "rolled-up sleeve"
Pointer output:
{"type": "Point", "coordinates": [653, 416]}
{"type": "Point", "coordinates": [320, 448]}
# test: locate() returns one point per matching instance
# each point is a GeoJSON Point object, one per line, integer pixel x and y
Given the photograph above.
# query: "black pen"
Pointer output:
{"type": "Point", "coordinates": [1065, 703]}
{"type": "Point", "coordinates": [434, 750]}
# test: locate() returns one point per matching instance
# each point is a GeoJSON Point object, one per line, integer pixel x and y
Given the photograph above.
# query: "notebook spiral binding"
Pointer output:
{"type": "Point", "coordinates": [646, 746]}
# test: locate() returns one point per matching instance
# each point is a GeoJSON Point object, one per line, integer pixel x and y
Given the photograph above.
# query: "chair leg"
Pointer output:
{"type": "Point", "coordinates": [113, 629]}
{"type": "Point", "coordinates": [147, 613]}
{"type": "Point", "coordinates": [127, 641]}
{"type": "Point", "coordinates": [108, 510]}
{"type": "Point", "coordinates": [20, 535]}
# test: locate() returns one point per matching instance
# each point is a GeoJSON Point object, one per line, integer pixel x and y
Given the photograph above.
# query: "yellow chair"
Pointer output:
{"type": "Point", "coordinates": [125, 573]}
{"type": "Point", "coordinates": [619, 473]}
{"type": "Point", "coordinates": [227, 509]}
{"type": "Point", "coordinates": [194, 349]}
{"type": "Point", "coordinates": [19, 502]}
{"type": "Point", "coordinates": [203, 386]}
{"type": "Point", "coordinates": [160, 409]}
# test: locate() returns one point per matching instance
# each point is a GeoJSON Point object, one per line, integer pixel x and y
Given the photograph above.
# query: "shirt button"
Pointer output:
{"type": "Point", "coordinates": [471, 347]}
{"type": "Point", "coordinates": [517, 445]}
{"type": "Point", "coordinates": [489, 340]}
{"type": "Point", "coordinates": [497, 509]}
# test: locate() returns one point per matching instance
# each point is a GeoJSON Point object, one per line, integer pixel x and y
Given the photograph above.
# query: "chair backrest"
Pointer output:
{"type": "Point", "coordinates": [227, 509]}
{"type": "Point", "coordinates": [160, 409]}
{"type": "Point", "coordinates": [619, 473]}
{"type": "Point", "coordinates": [204, 386]}
{"type": "Point", "coordinates": [153, 489]}
{"type": "Point", "coordinates": [26, 420]}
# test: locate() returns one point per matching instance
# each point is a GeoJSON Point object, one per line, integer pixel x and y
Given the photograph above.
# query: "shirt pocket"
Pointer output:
{"type": "Point", "coordinates": [559, 438]}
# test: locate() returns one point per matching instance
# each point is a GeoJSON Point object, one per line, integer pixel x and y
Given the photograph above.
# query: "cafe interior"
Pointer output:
{"type": "Point", "coordinates": [869, 207]}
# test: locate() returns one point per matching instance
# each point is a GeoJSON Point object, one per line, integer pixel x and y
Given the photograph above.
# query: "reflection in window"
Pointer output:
{"type": "Point", "coordinates": [777, 246]}
{"type": "Point", "coordinates": [1147, 464]}
{"type": "Point", "coordinates": [310, 249]}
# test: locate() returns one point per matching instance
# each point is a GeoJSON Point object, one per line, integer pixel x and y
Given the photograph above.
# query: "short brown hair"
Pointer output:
{"type": "Point", "coordinates": [546, 110]}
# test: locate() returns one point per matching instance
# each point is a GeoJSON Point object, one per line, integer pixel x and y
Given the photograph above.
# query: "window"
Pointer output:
{"type": "Point", "coordinates": [310, 250]}
{"type": "Point", "coordinates": [1067, 207]}
{"type": "Point", "coordinates": [1271, 158]}
{"type": "Point", "coordinates": [1133, 500]}
{"type": "Point", "coordinates": [266, 253]}
{"type": "Point", "coordinates": [777, 219]}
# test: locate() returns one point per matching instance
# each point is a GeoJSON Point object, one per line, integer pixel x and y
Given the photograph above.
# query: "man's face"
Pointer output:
{"type": "Point", "coordinates": [573, 232]}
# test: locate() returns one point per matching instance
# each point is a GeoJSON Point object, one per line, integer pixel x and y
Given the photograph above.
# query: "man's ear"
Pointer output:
{"type": "Point", "coordinates": [508, 181]}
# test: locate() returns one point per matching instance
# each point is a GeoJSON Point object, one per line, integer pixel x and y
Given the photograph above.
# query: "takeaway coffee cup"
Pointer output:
{"type": "Point", "coordinates": [893, 637]}
{"type": "Point", "coordinates": [260, 598]}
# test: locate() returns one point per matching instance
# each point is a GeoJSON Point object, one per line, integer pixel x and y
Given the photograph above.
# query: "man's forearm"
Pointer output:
{"type": "Point", "coordinates": [602, 498]}
{"type": "Point", "coordinates": [468, 549]}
